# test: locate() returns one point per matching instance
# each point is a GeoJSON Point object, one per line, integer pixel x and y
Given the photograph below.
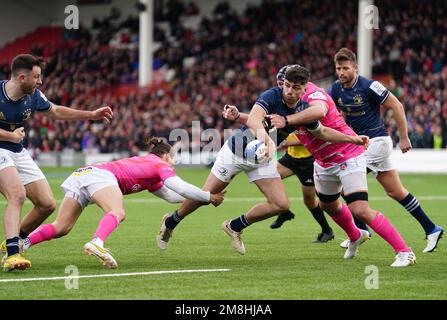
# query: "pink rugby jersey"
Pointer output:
{"type": "Point", "coordinates": [139, 173]}
{"type": "Point", "coordinates": [327, 154]}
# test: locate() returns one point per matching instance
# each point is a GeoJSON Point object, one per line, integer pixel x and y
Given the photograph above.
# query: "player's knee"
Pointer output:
{"type": "Point", "coordinates": [361, 211]}
{"type": "Point", "coordinates": [17, 197]}
{"type": "Point", "coordinates": [281, 205]}
{"type": "Point", "coordinates": [121, 215]}
{"type": "Point", "coordinates": [48, 207]}
{"type": "Point", "coordinates": [62, 229]}
{"type": "Point", "coordinates": [310, 201]}
{"type": "Point", "coordinates": [396, 194]}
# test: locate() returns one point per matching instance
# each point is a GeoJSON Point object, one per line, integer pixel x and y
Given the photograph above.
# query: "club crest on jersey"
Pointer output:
{"type": "Point", "coordinates": [2, 116]}
{"type": "Point", "coordinates": [223, 172]}
{"type": "Point", "coordinates": [26, 114]}
{"type": "Point", "coordinates": [340, 102]}
{"type": "Point", "coordinates": [358, 99]}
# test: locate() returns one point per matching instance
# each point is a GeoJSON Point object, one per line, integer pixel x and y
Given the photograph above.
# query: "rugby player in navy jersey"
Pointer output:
{"type": "Point", "coordinates": [231, 160]}
{"type": "Point", "coordinates": [20, 177]}
{"type": "Point", "coordinates": [360, 100]}
{"type": "Point", "coordinates": [297, 161]}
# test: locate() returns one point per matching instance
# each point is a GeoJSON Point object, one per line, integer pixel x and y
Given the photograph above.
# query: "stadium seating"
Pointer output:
{"type": "Point", "coordinates": [232, 58]}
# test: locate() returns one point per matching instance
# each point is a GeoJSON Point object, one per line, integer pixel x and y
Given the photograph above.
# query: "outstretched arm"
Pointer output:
{"type": "Point", "coordinates": [332, 135]}
{"type": "Point", "coordinates": [232, 113]}
{"type": "Point", "coordinates": [317, 111]}
{"type": "Point", "coordinates": [191, 192]}
{"type": "Point", "coordinates": [65, 113]}
{"type": "Point", "coordinates": [168, 195]}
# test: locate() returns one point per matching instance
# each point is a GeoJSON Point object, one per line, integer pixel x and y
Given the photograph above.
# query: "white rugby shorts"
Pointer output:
{"type": "Point", "coordinates": [228, 165]}
{"type": "Point", "coordinates": [25, 165]}
{"type": "Point", "coordinates": [84, 182]}
{"type": "Point", "coordinates": [378, 155]}
{"type": "Point", "coordinates": [349, 176]}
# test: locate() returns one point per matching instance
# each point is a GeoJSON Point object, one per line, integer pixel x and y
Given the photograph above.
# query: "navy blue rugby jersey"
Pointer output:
{"type": "Point", "coordinates": [361, 105]}
{"type": "Point", "coordinates": [13, 114]}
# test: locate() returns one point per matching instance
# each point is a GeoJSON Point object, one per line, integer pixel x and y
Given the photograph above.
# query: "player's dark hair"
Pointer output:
{"type": "Point", "coordinates": [344, 54]}
{"type": "Point", "coordinates": [25, 62]}
{"type": "Point", "coordinates": [158, 146]}
{"type": "Point", "coordinates": [297, 74]}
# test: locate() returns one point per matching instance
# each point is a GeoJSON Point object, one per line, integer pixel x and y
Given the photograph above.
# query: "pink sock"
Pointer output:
{"type": "Point", "coordinates": [106, 226]}
{"type": "Point", "coordinates": [43, 233]}
{"type": "Point", "coordinates": [345, 221]}
{"type": "Point", "coordinates": [386, 230]}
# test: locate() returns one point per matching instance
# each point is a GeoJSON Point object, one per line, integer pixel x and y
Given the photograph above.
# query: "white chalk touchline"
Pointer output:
{"type": "Point", "coordinates": [253, 199]}
{"type": "Point", "coordinates": [113, 275]}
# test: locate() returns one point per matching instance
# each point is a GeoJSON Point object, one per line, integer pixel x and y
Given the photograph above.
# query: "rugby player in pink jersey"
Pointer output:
{"type": "Point", "coordinates": [105, 184]}
{"type": "Point", "coordinates": [337, 167]}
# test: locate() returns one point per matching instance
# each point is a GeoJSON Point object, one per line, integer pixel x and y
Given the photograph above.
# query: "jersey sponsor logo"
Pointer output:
{"type": "Point", "coordinates": [358, 99]}
{"type": "Point", "coordinates": [80, 171]}
{"type": "Point", "coordinates": [317, 95]}
{"type": "Point", "coordinates": [378, 88]}
{"type": "Point", "coordinates": [136, 187]}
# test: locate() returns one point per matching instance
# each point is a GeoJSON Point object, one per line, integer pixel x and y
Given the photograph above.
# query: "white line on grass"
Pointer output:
{"type": "Point", "coordinates": [257, 199]}
{"type": "Point", "coordinates": [113, 275]}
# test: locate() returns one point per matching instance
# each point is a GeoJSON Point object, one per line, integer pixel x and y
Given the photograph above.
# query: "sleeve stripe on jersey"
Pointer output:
{"type": "Point", "coordinates": [386, 96]}
{"type": "Point", "coordinates": [47, 110]}
{"type": "Point", "coordinates": [257, 104]}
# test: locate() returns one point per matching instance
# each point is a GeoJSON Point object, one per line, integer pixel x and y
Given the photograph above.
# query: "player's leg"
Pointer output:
{"type": "Point", "coordinates": [354, 182]}
{"type": "Point", "coordinates": [40, 194]}
{"type": "Point", "coordinates": [110, 199]}
{"type": "Point", "coordinates": [305, 172]}
{"type": "Point", "coordinates": [284, 172]}
{"type": "Point", "coordinates": [37, 190]}
{"type": "Point", "coordinates": [170, 221]}
{"type": "Point", "coordinates": [220, 176]}
{"type": "Point", "coordinates": [269, 182]}
{"type": "Point", "coordinates": [69, 212]}
{"type": "Point", "coordinates": [13, 190]}
{"type": "Point", "coordinates": [328, 187]}
{"type": "Point", "coordinates": [391, 183]}
{"type": "Point", "coordinates": [313, 205]}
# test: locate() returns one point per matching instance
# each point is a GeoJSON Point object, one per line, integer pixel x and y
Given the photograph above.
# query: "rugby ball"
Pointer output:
{"type": "Point", "coordinates": [255, 151]}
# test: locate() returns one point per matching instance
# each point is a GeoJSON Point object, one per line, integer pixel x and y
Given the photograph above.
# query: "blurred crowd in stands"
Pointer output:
{"type": "Point", "coordinates": [230, 59]}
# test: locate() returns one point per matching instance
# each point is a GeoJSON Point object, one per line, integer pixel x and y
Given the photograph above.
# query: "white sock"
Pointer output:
{"type": "Point", "coordinates": [98, 242]}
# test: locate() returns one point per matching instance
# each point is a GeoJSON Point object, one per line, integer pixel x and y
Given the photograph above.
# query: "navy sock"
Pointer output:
{"type": "Point", "coordinates": [318, 215]}
{"type": "Point", "coordinates": [172, 221]}
{"type": "Point", "coordinates": [411, 204]}
{"type": "Point", "coordinates": [239, 224]}
{"type": "Point", "coordinates": [12, 246]}
{"type": "Point", "coordinates": [361, 225]}
{"type": "Point", "coordinates": [23, 235]}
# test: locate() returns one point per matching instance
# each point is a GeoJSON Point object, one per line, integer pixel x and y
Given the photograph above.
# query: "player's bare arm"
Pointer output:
{"type": "Point", "coordinates": [16, 136]}
{"type": "Point", "coordinates": [399, 115]}
{"type": "Point", "coordinates": [232, 113]}
{"type": "Point", "coordinates": [254, 122]}
{"type": "Point", "coordinates": [332, 135]}
{"type": "Point", "coordinates": [315, 112]}
{"type": "Point", "coordinates": [65, 113]}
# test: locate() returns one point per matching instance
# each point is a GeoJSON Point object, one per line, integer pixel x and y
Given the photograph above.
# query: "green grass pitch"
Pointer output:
{"type": "Point", "coordinates": [279, 264]}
